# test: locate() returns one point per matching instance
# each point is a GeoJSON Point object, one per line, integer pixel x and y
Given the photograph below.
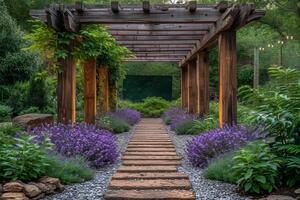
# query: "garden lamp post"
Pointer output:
{"type": "Point", "coordinates": [256, 66]}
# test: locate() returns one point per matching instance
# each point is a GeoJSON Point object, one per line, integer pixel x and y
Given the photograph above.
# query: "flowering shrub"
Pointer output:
{"type": "Point", "coordinates": [169, 114]}
{"type": "Point", "coordinates": [130, 116]}
{"type": "Point", "coordinates": [201, 149]}
{"type": "Point", "coordinates": [98, 146]}
{"type": "Point", "coordinates": [177, 120]}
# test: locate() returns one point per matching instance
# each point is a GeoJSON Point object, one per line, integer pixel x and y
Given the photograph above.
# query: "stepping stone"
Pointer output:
{"type": "Point", "coordinates": [151, 158]}
{"type": "Point", "coordinates": [147, 169]}
{"type": "Point", "coordinates": [150, 146]}
{"type": "Point", "coordinates": [151, 162]}
{"type": "Point", "coordinates": [149, 194]}
{"type": "Point", "coordinates": [151, 142]}
{"type": "Point", "coordinates": [159, 184]}
{"type": "Point", "coordinates": [150, 154]}
{"type": "Point", "coordinates": [150, 149]}
{"type": "Point", "coordinates": [150, 175]}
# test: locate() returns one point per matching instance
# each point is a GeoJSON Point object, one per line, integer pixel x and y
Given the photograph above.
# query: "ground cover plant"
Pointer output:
{"type": "Point", "coordinates": [97, 146]}
{"type": "Point", "coordinates": [69, 170]}
{"type": "Point", "coordinates": [220, 169]}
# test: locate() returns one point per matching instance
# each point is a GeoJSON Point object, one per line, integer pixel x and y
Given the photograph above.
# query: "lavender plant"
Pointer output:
{"type": "Point", "coordinates": [130, 116]}
{"type": "Point", "coordinates": [201, 149]}
{"type": "Point", "coordinates": [98, 146]}
{"type": "Point", "coordinates": [171, 113]}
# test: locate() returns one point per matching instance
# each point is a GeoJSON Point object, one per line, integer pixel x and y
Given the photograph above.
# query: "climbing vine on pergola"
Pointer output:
{"type": "Point", "coordinates": [180, 33]}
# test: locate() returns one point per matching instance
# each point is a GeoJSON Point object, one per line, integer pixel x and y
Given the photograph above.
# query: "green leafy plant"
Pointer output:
{"type": "Point", "coordinates": [32, 109]}
{"type": "Point", "coordinates": [24, 160]}
{"type": "Point", "coordinates": [256, 168]}
{"type": "Point", "coordinates": [69, 170]}
{"type": "Point", "coordinates": [5, 113]}
{"type": "Point", "coordinates": [185, 127]}
{"type": "Point", "coordinates": [220, 169]}
{"type": "Point", "coordinates": [8, 132]}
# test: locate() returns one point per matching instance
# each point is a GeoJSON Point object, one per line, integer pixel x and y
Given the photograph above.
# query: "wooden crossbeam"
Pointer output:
{"type": "Point", "coordinates": [222, 24]}
{"type": "Point", "coordinates": [234, 17]}
{"type": "Point", "coordinates": [153, 54]}
{"type": "Point", "coordinates": [157, 33]}
{"type": "Point", "coordinates": [175, 42]}
{"type": "Point", "coordinates": [169, 46]}
{"type": "Point", "coordinates": [159, 27]}
{"type": "Point", "coordinates": [161, 52]}
{"type": "Point", "coordinates": [157, 38]}
{"type": "Point", "coordinates": [139, 17]}
{"type": "Point", "coordinates": [150, 49]}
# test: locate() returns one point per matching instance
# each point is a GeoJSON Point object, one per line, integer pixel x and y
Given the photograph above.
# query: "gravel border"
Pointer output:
{"type": "Point", "coordinates": [96, 188]}
{"type": "Point", "coordinates": [204, 189]}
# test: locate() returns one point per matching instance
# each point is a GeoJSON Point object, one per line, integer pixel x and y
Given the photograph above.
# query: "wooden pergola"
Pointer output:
{"type": "Point", "coordinates": [180, 33]}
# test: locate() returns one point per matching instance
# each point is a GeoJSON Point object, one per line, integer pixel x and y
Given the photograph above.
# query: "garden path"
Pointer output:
{"type": "Point", "coordinates": [149, 168]}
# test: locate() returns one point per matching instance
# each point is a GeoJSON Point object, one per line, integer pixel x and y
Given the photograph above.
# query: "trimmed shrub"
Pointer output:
{"type": "Point", "coordinates": [98, 146]}
{"type": "Point", "coordinates": [69, 170]}
{"type": "Point", "coordinates": [201, 149]}
{"type": "Point", "coordinates": [37, 93]}
{"type": "Point", "coordinates": [220, 169]}
{"type": "Point", "coordinates": [180, 119]}
{"type": "Point", "coordinates": [5, 113]}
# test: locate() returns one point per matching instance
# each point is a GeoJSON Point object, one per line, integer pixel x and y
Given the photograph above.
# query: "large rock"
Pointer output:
{"type": "Point", "coordinates": [53, 181]}
{"type": "Point", "coordinates": [13, 196]}
{"type": "Point", "coordinates": [297, 191]}
{"type": "Point", "coordinates": [278, 197]}
{"type": "Point", "coordinates": [33, 120]}
{"type": "Point", "coordinates": [13, 187]}
{"type": "Point", "coordinates": [31, 190]}
{"type": "Point", "coordinates": [48, 189]}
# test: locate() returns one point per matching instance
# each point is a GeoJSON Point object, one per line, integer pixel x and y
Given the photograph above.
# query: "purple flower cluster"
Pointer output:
{"type": "Point", "coordinates": [201, 149]}
{"type": "Point", "coordinates": [172, 112]}
{"type": "Point", "coordinates": [128, 115]}
{"type": "Point", "coordinates": [177, 120]}
{"type": "Point", "coordinates": [98, 146]}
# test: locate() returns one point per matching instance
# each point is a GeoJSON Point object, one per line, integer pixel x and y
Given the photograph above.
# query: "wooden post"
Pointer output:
{"type": "Point", "coordinates": [256, 68]}
{"type": "Point", "coordinates": [66, 91]}
{"type": "Point", "coordinates": [184, 87]}
{"type": "Point", "coordinates": [192, 85]}
{"type": "Point", "coordinates": [90, 96]}
{"type": "Point", "coordinates": [203, 82]}
{"type": "Point", "coordinates": [104, 88]}
{"type": "Point", "coordinates": [228, 78]}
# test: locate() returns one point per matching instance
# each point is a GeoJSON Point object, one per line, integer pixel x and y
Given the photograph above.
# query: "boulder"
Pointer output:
{"type": "Point", "coordinates": [33, 120]}
{"type": "Point", "coordinates": [31, 190]}
{"type": "Point", "coordinates": [40, 196]}
{"type": "Point", "coordinates": [13, 187]}
{"type": "Point", "coordinates": [297, 191]}
{"type": "Point", "coordinates": [13, 196]}
{"type": "Point", "coordinates": [46, 188]}
{"type": "Point", "coordinates": [53, 181]}
{"type": "Point", "coordinates": [278, 197]}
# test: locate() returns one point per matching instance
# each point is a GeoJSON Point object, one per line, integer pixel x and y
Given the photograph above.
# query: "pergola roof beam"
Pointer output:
{"type": "Point", "coordinates": [157, 33]}
{"type": "Point", "coordinates": [157, 38]}
{"type": "Point", "coordinates": [173, 42]}
{"type": "Point", "coordinates": [159, 27]}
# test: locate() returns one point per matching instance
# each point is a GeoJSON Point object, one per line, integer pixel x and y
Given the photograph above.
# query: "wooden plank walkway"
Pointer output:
{"type": "Point", "coordinates": [149, 169]}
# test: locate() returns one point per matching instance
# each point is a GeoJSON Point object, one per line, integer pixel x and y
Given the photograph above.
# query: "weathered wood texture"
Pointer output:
{"type": "Point", "coordinates": [66, 91]}
{"type": "Point", "coordinates": [90, 88]}
{"type": "Point", "coordinates": [192, 85]}
{"type": "Point", "coordinates": [184, 87]}
{"type": "Point", "coordinates": [103, 89]}
{"type": "Point", "coordinates": [227, 78]}
{"type": "Point", "coordinates": [203, 82]}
